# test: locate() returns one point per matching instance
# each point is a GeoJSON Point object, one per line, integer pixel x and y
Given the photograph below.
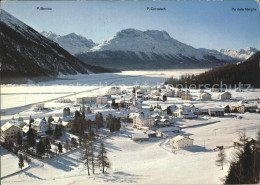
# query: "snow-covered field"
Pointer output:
{"type": "Point", "coordinates": [9, 163]}
{"type": "Point", "coordinates": [19, 95]}
{"type": "Point", "coordinates": [148, 162]}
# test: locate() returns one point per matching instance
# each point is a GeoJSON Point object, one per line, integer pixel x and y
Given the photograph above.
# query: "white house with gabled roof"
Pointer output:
{"type": "Point", "coordinates": [142, 120]}
{"type": "Point", "coordinates": [40, 125]}
{"type": "Point", "coordinates": [10, 131]}
{"type": "Point", "coordinates": [205, 96]}
{"type": "Point", "coordinates": [181, 141]}
{"type": "Point", "coordinates": [224, 96]}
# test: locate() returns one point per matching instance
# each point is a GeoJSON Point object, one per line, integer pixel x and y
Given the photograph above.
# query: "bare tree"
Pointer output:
{"type": "Point", "coordinates": [92, 155]}
{"type": "Point", "coordinates": [86, 154]}
{"type": "Point", "coordinates": [102, 158]}
{"type": "Point", "coordinates": [221, 158]}
{"type": "Point", "coordinates": [243, 137]}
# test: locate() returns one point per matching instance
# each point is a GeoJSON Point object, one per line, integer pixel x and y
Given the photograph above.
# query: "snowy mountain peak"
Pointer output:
{"type": "Point", "coordinates": [11, 21]}
{"type": "Point", "coordinates": [158, 35]}
{"type": "Point", "coordinates": [50, 35]}
{"type": "Point", "coordinates": [154, 42]}
{"type": "Point", "coordinates": [241, 54]}
{"type": "Point", "coordinates": [72, 42]}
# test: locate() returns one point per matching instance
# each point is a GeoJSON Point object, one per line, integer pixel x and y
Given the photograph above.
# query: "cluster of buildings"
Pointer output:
{"type": "Point", "coordinates": [11, 128]}
{"type": "Point", "coordinates": [152, 121]}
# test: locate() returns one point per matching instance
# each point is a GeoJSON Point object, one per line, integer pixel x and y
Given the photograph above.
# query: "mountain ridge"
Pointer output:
{"type": "Point", "coordinates": [136, 49]}
{"type": "Point", "coordinates": [71, 42]}
{"type": "Point", "coordinates": [25, 53]}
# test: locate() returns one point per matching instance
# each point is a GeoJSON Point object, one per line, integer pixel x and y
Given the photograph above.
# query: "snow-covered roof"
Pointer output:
{"type": "Point", "coordinates": [224, 93]}
{"type": "Point", "coordinates": [150, 132]}
{"type": "Point", "coordinates": [169, 129]}
{"type": "Point", "coordinates": [140, 136]}
{"type": "Point", "coordinates": [65, 123]}
{"type": "Point", "coordinates": [205, 93]}
{"type": "Point", "coordinates": [180, 137]}
{"type": "Point", "coordinates": [216, 109]}
{"type": "Point", "coordinates": [39, 122]}
{"type": "Point", "coordinates": [25, 128]}
{"type": "Point", "coordinates": [6, 126]}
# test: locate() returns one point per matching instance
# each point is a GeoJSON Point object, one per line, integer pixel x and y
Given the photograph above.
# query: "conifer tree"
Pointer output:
{"type": "Point", "coordinates": [19, 139]}
{"type": "Point", "coordinates": [30, 137]}
{"type": "Point", "coordinates": [60, 148]}
{"type": "Point", "coordinates": [40, 148]}
{"type": "Point", "coordinates": [86, 154]}
{"type": "Point", "coordinates": [102, 158]}
{"type": "Point", "coordinates": [221, 158]}
{"type": "Point", "coordinates": [21, 161]}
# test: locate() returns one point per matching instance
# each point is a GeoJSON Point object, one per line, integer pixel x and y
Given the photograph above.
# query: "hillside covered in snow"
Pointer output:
{"type": "Point", "coordinates": [241, 54]}
{"type": "Point", "coordinates": [72, 42]}
{"type": "Point", "coordinates": [25, 53]}
{"type": "Point", "coordinates": [135, 49]}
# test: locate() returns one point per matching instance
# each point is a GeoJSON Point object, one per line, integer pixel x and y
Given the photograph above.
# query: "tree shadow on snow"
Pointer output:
{"type": "Point", "coordinates": [196, 148]}
{"type": "Point", "coordinates": [32, 176]}
{"type": "Point", "coordinates": [120, 177]}
{"type": "Point", "coordinates": [110, 147]}
{"type": "Point", "coordinates": [63, 164]}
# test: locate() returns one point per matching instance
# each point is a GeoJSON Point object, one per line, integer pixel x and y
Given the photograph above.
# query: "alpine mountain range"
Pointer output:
{"type": "Point", "coordinates": [27, 53]}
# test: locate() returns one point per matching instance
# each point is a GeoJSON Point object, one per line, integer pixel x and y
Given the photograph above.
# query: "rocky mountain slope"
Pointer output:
{"type": "Point", "coordinates": [25, 53]}
{"type": "Point", "coordinates": [241, 54]}
{"type": "Point", "coordinates": [135, 49]}
{"type": "Point", "coordinates": [72, 42]}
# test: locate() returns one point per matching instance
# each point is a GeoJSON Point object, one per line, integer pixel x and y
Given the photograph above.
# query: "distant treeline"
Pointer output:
{"type": "Point", "coordinates": [242, 73]}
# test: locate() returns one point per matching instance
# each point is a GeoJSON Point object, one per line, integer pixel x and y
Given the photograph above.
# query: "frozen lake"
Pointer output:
{"type": "Point", "coordinates": [18, 95]}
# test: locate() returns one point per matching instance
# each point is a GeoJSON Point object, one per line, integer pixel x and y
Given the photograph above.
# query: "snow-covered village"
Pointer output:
{"type": "Point", "coordinates": [111, 92]}
{"type": "Point", "coordinates": [145, 130]}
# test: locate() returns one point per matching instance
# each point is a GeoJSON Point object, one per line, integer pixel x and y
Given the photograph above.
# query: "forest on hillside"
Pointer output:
{"type": "Point", "coordinates": [246, 72]}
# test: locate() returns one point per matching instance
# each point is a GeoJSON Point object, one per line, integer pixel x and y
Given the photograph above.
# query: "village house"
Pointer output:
{"type": "Point", "coordinates": [40, 125]}
{"type": "Point", "coordinates": [186, 96]}
{"type": "Point", "coordinates": [216, 111]}
{"type": "Point", "coordinates": [20, 122]}
{"type": "Point", "coordinates": [66, 112]}
{"type": "Point", "coordinates": [143, 121]}
{"type": "Point", "coordinates": [114, 91]}
{"type": "Point", "coordinates": [179, 93]}
{"type": "Point", "coordinates": [140, 137]}
{"type": "Point", "coordinates": [67, 125]}
{"type": "Point", "coordinates": [167, 131]}
{"type": "Point", "coordinates": [138, 94]}
{"type": "Point", "coordinates": [64, 100]}
{"type": "Point", "coordinates": [224, 96]}
{"type": "Point", "coordinates": [101, 100]}
{"type": "Point", "coordinates": [198, 111]}
{"type": "Point", "coordinates": [246, 108]}
{"type": "Point", "coordinates": [88, 100]}
{"type": "Point", "coordinates": [184, 114]}
{"type": "Point", "coordinates": [163, 122]}
{"type": "Point", "coordinates": [10, 131]}
{"type": "Point", "coordinates": [217, 90]}
{"type": "Point", "coordinates": [39, 106]}
{"type": "Point", "coordinates": [181, 141]}
{"type": "Point", "coordinates": [92, 100]}
{"type": "Point", "coordinates": [150, 133]}
{"type": "Point", "coordinates": [125, 104]}
{"type": "Point", "coordinates": [156, 92]}
{"type": "Point", "coordinates": [227, 109]}
{"type": "Point", "coordinates": [205, 96]}
{"type": "Point", "coordinates": [169, 93]}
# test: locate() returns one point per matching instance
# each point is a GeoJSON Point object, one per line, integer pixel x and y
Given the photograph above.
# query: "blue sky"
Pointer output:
{"type": "Point", "coordinates": [201, 24]}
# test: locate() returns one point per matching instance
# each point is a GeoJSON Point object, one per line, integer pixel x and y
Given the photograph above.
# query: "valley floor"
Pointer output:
{"type": "Point", "coordinates": [147, 162]}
